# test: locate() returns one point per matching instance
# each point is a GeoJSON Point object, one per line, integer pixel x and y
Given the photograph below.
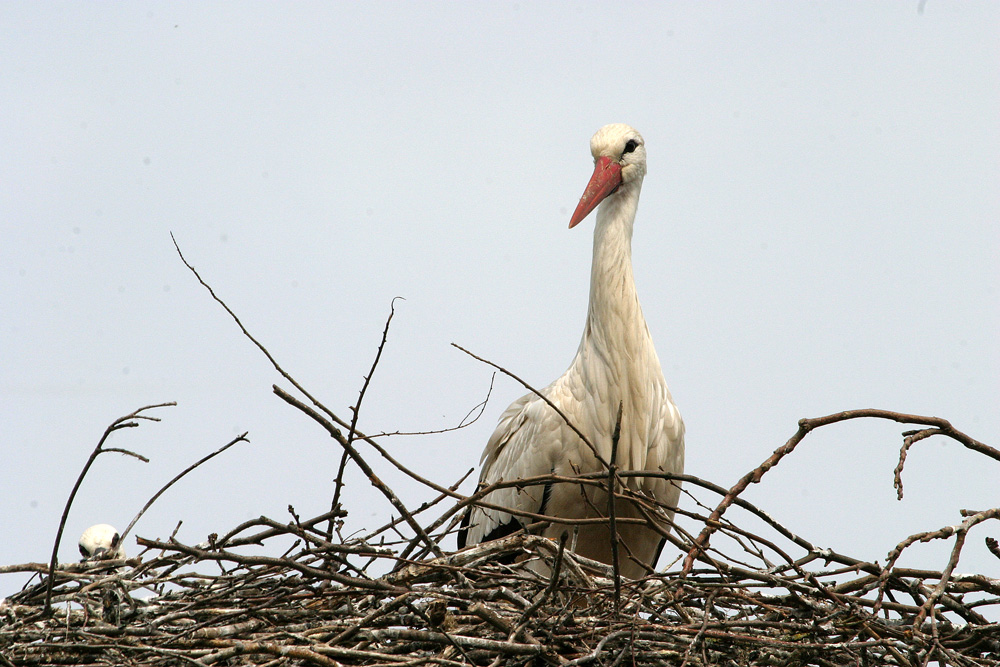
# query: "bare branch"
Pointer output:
{"type": "Point", "coordinates": [149, 503]}
{"type": "Point", "coordinates": [361, 463]}
{"type": "Point", "coordinates": [548, 402]}
{"type": "Point", "coordinates": [356, 412]}
{"type": "Point", "coordinates": [942, 426]}
{"type": "Point", "coordinates": [120, 423]}
{"type": "Point", "coordinates": [612, 523]}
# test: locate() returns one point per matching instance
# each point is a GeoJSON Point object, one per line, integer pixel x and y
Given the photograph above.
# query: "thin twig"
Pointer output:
{"type": "Point", "coordinates": [177, 478]}
{"type": "Point", "coordinates": [356, 412]}
{"type": "Point", "coordinates": [361, 463]}
{"type": "Point", "coordinates": [545, 398]}
{"type": "Point", "coordinates": [464, 422]}
{"type": "Point", "coordinates": [612, 523]}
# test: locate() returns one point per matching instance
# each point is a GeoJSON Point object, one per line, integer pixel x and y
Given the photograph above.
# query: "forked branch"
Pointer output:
{"type": "Point", "coordinates": [938, 427]}
{"type": "Point", "coordinates": [128, 421]}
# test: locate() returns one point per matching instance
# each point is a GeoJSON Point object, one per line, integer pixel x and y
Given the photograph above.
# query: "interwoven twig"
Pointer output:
{"type": "Point", "coordinates": [396, 596]}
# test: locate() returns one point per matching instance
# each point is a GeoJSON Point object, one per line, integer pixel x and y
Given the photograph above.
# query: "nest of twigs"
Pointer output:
{"type": "Point", "coordinates": [298, 593]}
{"type": "Point", "coordinates": [780, 601]}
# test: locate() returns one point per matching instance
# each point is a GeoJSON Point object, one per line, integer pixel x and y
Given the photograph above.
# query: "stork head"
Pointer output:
{"type": "Point", "coordinates": [101, 542]}
{"type": "Point", "coordinates": [619, 160]}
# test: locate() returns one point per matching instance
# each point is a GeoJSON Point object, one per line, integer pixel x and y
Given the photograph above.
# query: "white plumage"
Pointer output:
{"type": "Point", "coordinates": [101, 542]}
{"type": "Point", "coordinates": [615, 363]}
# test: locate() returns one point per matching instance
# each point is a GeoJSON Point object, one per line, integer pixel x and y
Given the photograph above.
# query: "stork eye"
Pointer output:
{"type": "Point", "coordinates": [630, 146]}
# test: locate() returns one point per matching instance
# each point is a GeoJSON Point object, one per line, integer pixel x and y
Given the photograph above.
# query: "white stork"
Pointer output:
{"type": "Point", "coordinates": [101, 542]}
{"type": "Point", "coordinates": [615, 364]}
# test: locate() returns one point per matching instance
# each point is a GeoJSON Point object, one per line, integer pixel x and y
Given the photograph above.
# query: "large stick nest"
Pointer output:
{"type": "Point", "coordinates": [779, 601]}
{"type": "Point", "coordinates": [743, 591]}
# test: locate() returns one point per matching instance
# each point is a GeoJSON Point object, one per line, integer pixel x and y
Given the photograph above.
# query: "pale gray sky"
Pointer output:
{"type": "Point", "coordinates": [818, 231]}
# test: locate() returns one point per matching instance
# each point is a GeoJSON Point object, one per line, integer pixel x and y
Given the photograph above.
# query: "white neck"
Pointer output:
{"type": "Point", "coordinates": [614, 318]}
{"type": "Point", "coordinates": [616, 351]}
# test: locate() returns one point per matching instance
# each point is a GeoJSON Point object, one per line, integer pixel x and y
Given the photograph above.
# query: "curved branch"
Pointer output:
{"type": "Point", "coordinates": [120, 423]}
{"type": "Point", "coordinates": [941, 426]}
{"type": "Point", "coordinates": [149, 503]}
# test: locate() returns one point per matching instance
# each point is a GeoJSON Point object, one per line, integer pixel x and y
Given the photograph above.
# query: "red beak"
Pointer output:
{"type": "Point", "coordinates": [607, 177]}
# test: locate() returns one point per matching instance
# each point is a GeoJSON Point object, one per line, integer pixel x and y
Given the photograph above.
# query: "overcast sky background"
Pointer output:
{"type": "Point", "coordinates": [818, 231]}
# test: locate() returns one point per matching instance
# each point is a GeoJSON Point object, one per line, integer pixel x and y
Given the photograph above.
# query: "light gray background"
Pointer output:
{"type": "Point", "coordinates": [818, 231]}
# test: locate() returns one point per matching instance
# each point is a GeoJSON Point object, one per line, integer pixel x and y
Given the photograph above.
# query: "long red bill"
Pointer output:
{"type": "Point", "coordinates": [607, 176]}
